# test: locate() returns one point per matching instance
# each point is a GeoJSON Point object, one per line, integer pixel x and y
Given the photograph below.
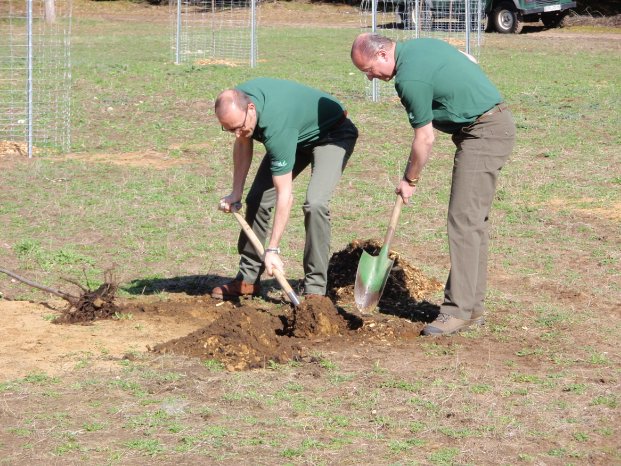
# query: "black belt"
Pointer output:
{"type": "Point", "coordinates": [495, 109]}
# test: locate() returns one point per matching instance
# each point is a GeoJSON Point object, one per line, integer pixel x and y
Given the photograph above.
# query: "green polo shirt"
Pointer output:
{"type": "Point", "coordinates": [439, 84]}
{"type": "Point", "coordinates": [289, 115]}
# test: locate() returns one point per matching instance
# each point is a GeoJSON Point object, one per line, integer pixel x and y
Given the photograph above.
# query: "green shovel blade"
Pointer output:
{"type": "Point", "coordinates": [371, 279]}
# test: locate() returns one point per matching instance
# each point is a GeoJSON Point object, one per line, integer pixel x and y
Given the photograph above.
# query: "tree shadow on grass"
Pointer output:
{"type": "Point", "coordinates": [192, 285]}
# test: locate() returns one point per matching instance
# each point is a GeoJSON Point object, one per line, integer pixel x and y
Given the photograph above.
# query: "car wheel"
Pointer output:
{"type": "Point", "coordinates": [506, 19]}
{"type": "Point", "coordinates": [554, 20]}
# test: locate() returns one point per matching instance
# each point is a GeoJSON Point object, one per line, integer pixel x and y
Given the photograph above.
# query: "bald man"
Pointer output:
{"type": "Point", "coordinates": [299, 127]}
{"type": "Point", "coordinates": [442, 88]}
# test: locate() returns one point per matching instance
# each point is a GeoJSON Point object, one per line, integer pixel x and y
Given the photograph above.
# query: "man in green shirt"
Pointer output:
{"type": "Point", "coordinates": [443, 88]}
{"type": "Point", "coordinates": [299, 126]}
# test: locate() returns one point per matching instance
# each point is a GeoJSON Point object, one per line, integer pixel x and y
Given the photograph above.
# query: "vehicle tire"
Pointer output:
{"type": "Point", "coordinates": [506, 19]}
{"type": "Point", "coordinates": [554, 20]}
{"type": "Point", "coordinates": [487, 24]}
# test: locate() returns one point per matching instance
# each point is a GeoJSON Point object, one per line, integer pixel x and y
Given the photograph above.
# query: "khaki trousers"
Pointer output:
{"type": "Point", "coordinates": [327, 158]}
{"type": "Point", "coordinates": [482, 150]}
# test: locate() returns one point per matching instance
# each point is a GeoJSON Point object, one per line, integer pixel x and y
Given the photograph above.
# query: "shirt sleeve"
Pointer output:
{"type": "Point", "coordinates": [417, 98]}
{"type": "Point", "coordinates": [281, 148]}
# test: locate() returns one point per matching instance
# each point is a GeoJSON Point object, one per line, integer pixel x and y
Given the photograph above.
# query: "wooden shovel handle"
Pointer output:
{"type": "Point", "coordinates": [390, 233]}
{"type": "Point", "coordinates": [261, 251]}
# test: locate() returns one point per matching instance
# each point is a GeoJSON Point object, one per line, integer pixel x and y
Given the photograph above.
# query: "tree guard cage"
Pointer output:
{"type": "Point", "coordinates": [214, 31]}
{"type": "Point", "coordinates": [458, 22]}
{"type": "Point", "coordinates": [35, 75]}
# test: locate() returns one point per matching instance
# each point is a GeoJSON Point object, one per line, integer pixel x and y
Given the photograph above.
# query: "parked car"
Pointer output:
{"type": "Point", "coordinates": [504, 16]}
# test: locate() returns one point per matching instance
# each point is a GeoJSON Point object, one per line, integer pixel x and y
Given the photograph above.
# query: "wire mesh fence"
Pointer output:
{"type": "Point", "coordinates": [214, 31]}
{"type": "Point", "coordinates": [458, 22]}
{"type": "Point", "coordinates": [35, 75]}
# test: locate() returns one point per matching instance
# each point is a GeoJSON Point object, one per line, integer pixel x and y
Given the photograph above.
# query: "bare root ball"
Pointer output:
{"type": "Point", "coordinates": [91, 305]}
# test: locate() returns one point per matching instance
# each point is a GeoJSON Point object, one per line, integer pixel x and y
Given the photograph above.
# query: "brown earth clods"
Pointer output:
{"type": "Point", "coordinates": [246, 337]}
{"type": "Point", "coordinates": [240, 338]}
{"type": "Point", "coordinates": [405, 289]}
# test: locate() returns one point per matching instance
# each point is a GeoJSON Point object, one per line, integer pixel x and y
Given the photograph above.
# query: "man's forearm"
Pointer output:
{"type": "Point", "coordinates": [281, 217]}
{"type": "Point", "coordinates": [419, 153]}
{"type": "Point", "coordinates": [284, 200]}
{"type": "Point", "coordinates": [242, 158]}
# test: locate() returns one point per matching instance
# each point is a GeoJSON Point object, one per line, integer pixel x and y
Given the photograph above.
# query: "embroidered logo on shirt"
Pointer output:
{"type": "Point", "coordinates": [279, 163]}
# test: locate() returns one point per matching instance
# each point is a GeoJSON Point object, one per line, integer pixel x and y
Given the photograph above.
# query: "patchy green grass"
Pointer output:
{"type": "Point", "coordinates": [538, 384]}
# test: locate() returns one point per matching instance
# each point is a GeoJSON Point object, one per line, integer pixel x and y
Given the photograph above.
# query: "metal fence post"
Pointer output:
{"type": "Point", "coordinates": [417, 18]}
{"type": "Point", "coordinates": [29, 72]}
{"type": "Point", "coordinates": [374, 83]}
{"type": "Point", "coordinates": [178, 38]}
{"type": "Point", "coordinates": [253, 34]}
{"type": "Point", "coordinates": [467, 24]}
{"type": "Point", "coordinates": [479, 21]}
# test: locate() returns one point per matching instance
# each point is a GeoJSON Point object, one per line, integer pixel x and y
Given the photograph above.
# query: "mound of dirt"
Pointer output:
{"type": "Point", "coordinates": [13, 148]}
{"type": "Point", "coordinates": [317, 316]}
{"type": "Point", "coordinates": [240, 338]}
{"type": "Point", "coordinates": [405, 290]}
{"type": "Point", "coordinates": [246, 337]}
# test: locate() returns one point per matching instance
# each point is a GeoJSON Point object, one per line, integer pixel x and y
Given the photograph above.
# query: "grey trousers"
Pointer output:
{"type": "Point", "coordinates": [328, 158]}
{"type": "Point", "coordinates": [482, 150]}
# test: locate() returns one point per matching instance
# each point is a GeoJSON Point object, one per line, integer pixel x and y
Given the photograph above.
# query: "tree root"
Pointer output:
{"type": "Point", "coordinates": [90, 305]}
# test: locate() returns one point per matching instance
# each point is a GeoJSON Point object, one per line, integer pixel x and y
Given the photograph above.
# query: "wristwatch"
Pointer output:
{"type": "Point", "coordinates": [412, 182]}
{"type": "Point", "coordinates": [276, 250]}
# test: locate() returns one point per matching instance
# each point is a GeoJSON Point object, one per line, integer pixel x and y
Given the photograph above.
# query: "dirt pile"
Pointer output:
{"type": "Point", "coordinates": [245, 337]}
{"type": "Point", "coordinates": [240, 338]}
{"type": "Point", "coordinates": [405, 290]}
{"type": "Point", "coordinates": [10, 148]}
{"type": "Point", "coordinates": [317, 317]}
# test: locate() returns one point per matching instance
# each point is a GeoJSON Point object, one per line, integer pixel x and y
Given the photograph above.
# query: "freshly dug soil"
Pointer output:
{"type": "Point", "coordinates": [317, 317]}
{"type": "Point", "coordinates": [240, 338]}
{"type": "Point", "coordinates": [405, 289]}
{"type": "Point", "coordinates": [245, 337]}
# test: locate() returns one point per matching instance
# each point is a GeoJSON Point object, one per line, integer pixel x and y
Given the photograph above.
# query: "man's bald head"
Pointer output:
{"type": "Point", "coordinates": [366, 46]}
{"type": "Point", "coordinates": [230, 99]}
{"type": "Point", "coordinates": [374, 55]}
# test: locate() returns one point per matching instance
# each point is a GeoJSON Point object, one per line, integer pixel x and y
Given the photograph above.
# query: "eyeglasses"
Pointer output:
{"type": "Point", "coordinates": [238, 128]}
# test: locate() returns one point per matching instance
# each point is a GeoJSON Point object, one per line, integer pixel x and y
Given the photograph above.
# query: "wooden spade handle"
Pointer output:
{"type": "Point", "coordinates": [390, 233]}
{"type": "Point", "coordinates": [261, 251]}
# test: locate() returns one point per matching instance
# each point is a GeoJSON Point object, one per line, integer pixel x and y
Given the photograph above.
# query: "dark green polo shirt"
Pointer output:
{"type": "Point", "coordinates": [290, 114]}
{"type": "Point", "coordinates": [439, 84]}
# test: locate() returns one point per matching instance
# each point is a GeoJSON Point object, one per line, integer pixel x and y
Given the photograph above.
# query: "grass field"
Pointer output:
{"type": "Point", "coordinates": [538, 384]}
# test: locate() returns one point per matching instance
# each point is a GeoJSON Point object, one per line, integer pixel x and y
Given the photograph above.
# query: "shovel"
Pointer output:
{"type": "Point", "coordinates": [373, 271]}
{"type": "Point", "coordinates": [261, 251]}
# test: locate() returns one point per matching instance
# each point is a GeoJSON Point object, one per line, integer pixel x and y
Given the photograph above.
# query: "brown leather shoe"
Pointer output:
{"type": "Point", "coordinates": [234, 289]}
